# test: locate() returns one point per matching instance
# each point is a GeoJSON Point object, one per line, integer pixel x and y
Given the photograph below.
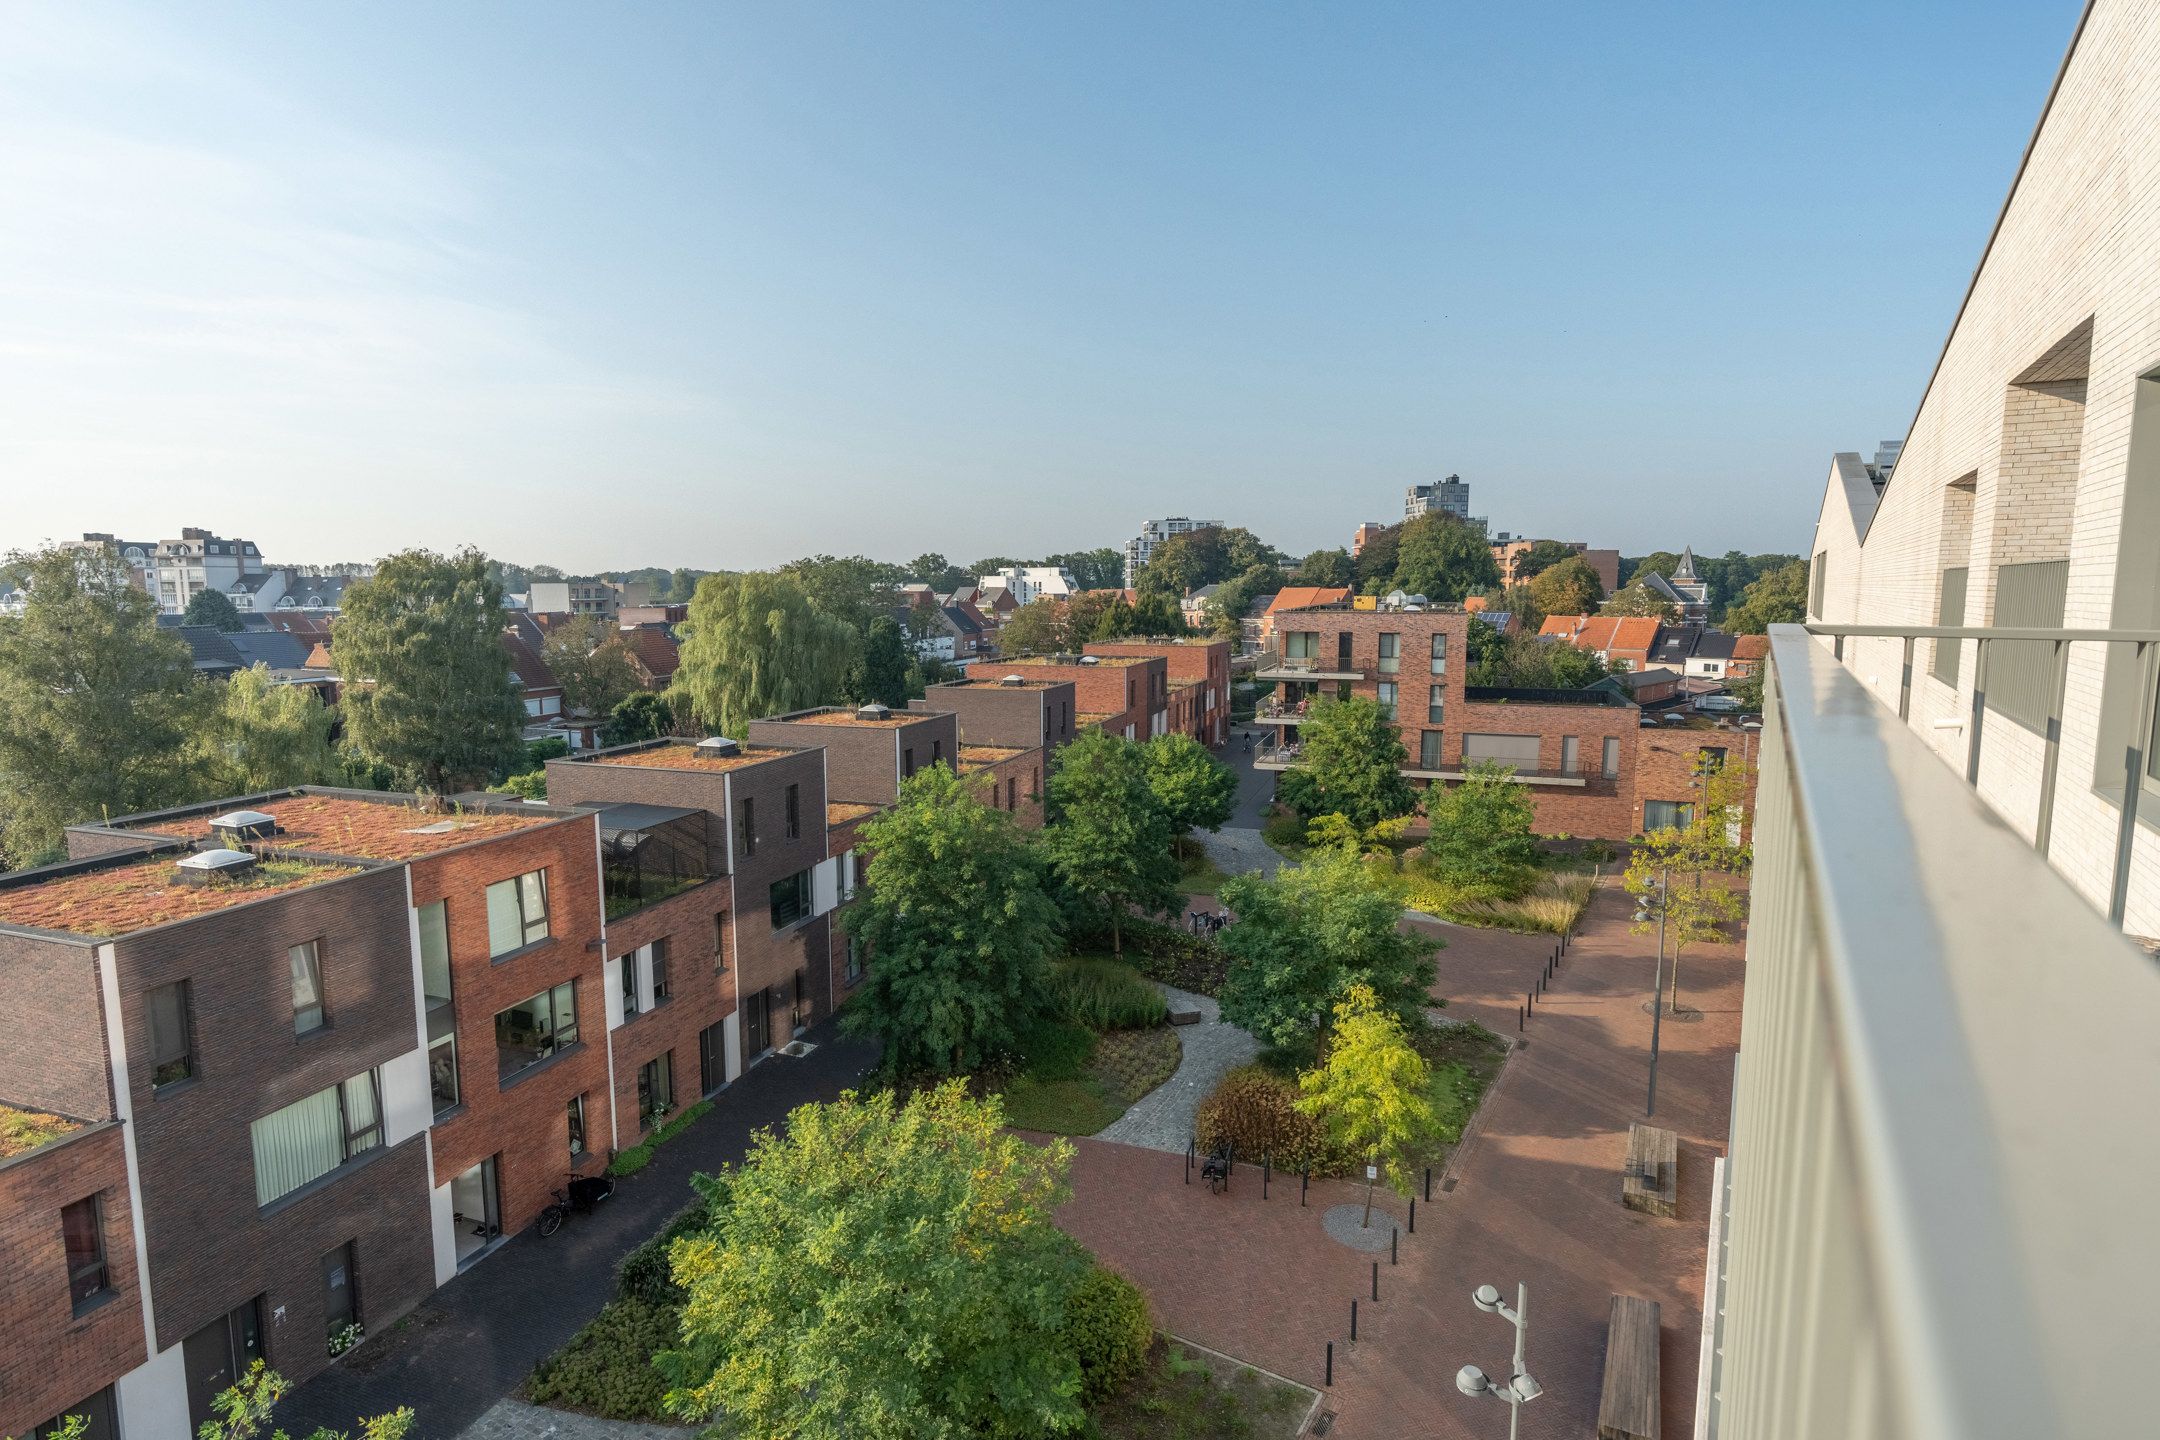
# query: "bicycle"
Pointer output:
{"type": "Point", "coordinates": [584, 1193]}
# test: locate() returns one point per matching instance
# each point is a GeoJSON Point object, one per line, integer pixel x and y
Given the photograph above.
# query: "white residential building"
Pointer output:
{"type": "Point", "coordinates": [1141, 548]}
{"type": "Point", "coordinates": [1029, 583]}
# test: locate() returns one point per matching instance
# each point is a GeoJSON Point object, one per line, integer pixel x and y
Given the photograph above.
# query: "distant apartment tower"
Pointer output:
{"type": "Point", "coordinates": [1141, 548]}
{"type": "Point", "coordinates": [1029, 583]}
{"type": "Point", "coordinates": [1886, 457]}
{"type": "Point", "coordinates": [1364, 536]}
{"type": "Point", "coordinates": [1450, 496]}
{"type": "Point", "coordinates": [174, 572]}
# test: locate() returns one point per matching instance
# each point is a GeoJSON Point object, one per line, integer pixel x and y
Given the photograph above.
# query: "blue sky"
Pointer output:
{"type": "Point", "coordinates": [719, 285]}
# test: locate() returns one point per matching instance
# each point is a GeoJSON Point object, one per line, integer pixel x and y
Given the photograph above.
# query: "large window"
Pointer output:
{"type": "Point", "coordinates": [82, 1228]}
{"type": "Point", "coordinates": [172, 1028]}
{"type": "Point", "coordinates": [517, 912]}
{"type": "Point", "coordinates": [1612, 757]}
{"type": "Point", "coordinates": [2021, 673]}
{"type": "Point", "coordinates": [629, 985]}
{"type": "Point", "coordinates": [1301, 644]}
{"type": "Point", "coordinates": [1390, 653]}
{"type": "Point", "coordinates": [435, 954]}
{"type": "Point", "coordinates": [310, 1138]}
{"type": "Point", "coordinates": [1439, 653]}
{"type": "Point", "coordinates": [305, 962]}
{"type": "Point", "coordinates": [1429, 750]}
{"type": "Point", "coordinates": [532, 1030]}
{"type": "Point", "coordinates": [655, 1089]}
{"type": "Point", "coordinates": [1387, 699]}
{"type": "Point", "coordinates": [790, 900]}
{"type": "Point", "coordinates": [1436, 705]}
{"type": "Point", "coordinates": [100, 1417]}
{"type": "Point", "coordinates": [853, 970]}
{"type": "Point", "coordinates": [659, 972]}
{"type": "Point", "coordinates": [1667, 815]}
{"type": "Point", "coordinates": [1517, 751]}
{"type": "Point", "coordinates": [1570, 754]}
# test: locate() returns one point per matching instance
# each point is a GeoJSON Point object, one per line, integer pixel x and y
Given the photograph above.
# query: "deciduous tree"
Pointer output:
{"type": "Point", "coordinates": [1327, 567]}
{"type": "Point", "coordinates": [883, 1271]}
{"type": "Point", "coordinates": [95, 702]}
{"type": "Point", "coordinates": [426, 687]}
{"type": "Point", "coordinates": [1481, 836]}
{"type": "Point", "coordinates": [1304, 937]}
{"type": "Point", "coordinates": [1036, 628]}
{"type": "Point", "coordinates": [1778, 598]}
{"type": "Point", "coordinates": [1373, 1092]}
{"type": "Point", "coordinates": [243, 1411]}
{"type": "Point", "coordinates": [935, 571]}
{"type": "Point", "coordinates": [1108, 840]}
{"type": "Point", "coordinates": [1637, 598]}
{"type": "Point", "coordinates": [645, 715]}
{"type": "Point", "coordinates": [883, 674]}
{"type": "Point", "coordinates": [588, 656]}
{"type": "Point", "coordinates": [754, 646]}
{"type": "Point", "coordinates": [1350, 763]}
{"type": "Point", "coordinates": [260, 735]}
{"type": "Point", "coordinates": [214, 608]}
{"type": "Point", "coordinates": [1196, 790]}
{"type": "Point", "coordinates": [1569, 587]}
{"type": "Point", "coordinates": [1542, 556]}
{"type": "Point", "coordinates": [1444, 558]}
{"type": "Point", "coordinates": [1671, 869]}
{"type": "Point", "coordinates": [1099, 569]}
{"type": "Point", "coordinates": [957, 926]}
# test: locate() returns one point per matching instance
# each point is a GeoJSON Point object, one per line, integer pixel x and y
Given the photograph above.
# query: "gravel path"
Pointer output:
{"type": "Point", "coordinates": [1238, 851]}
{"type": "Point", "coordinates": [515, 1420]}
{"type": "Point", "coordinates": [1163, 1119]}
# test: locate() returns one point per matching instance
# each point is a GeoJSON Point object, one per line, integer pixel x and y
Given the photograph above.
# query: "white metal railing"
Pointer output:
{"type": "Point", "coordinates": [1938, 1192]}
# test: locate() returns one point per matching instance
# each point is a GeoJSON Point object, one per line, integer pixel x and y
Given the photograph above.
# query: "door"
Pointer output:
{"type": "Point", "coordinates": [218, 1354]}
{"type": "Point", "coordinates": [802, 1003]}
{"type": "Point", "coordinates": [475, 1210]}
{"type": "Point", "coordinates": [755, 1040]}
{"type": "Point", "coordinates": [712, 1057]}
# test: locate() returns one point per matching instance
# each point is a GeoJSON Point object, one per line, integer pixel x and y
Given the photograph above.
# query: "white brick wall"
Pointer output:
{"type": "Point", "coordinates": [2078, 242]}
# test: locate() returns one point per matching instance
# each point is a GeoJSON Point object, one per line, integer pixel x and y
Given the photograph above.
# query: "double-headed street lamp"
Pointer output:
{"type": "Point", "coordinates": [1519, 1388]}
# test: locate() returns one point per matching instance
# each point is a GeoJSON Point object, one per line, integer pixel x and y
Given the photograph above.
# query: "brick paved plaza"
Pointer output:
{"type": "Point", "coordinates": [1536, 1200]}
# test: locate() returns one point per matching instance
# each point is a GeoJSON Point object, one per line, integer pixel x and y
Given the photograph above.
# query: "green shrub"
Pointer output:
{"type": "Point", "coordinates": [1109, 1328]}
{"type": "Point", "coordinates": [644, 1274]}
{"type": "Point", "coordinates": [1175, 957]}
{"type": "Point", "coordinates": [1104, 994]}
{"type": "Point", "coordinates": [1553, 907]}
{"type": "Point", "coordinates": [1255, 1111]}
{"type": "Point", "coordinates": [1054, 1050]}
{"type": "Point", "coordinates": [638, 1156]}
{"type": "Point", "coordinates": [1284, 827]}
{"type": "Point", "coordinates": [607, 1367]}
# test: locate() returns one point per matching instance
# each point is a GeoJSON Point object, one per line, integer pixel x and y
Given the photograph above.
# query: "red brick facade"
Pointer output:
{"type": "Point", "coordinates": [1202, 666]}
{"type": "Point", "coordinates": [55, 1357]}
{"type": "Point", "coordinates": [693, 927]}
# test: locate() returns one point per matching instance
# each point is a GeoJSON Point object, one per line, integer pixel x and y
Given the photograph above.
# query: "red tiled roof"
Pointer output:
{"type": "Point", "coordinates": [654, 650]}
{"type": "Point", "coordinates": [1750, 647]}
{"type": "Point", "coordinates": [1297, 597]}
{"type": "Point", "coordinates": [532, 671]}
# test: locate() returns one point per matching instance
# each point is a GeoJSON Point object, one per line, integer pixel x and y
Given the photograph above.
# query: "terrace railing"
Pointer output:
{"type": "Point", "coordinates": [1934, 1220]}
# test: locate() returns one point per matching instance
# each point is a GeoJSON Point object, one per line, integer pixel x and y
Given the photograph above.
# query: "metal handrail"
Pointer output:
{"type": "Point", "coordinates": [1925, 1239]}
{"type": "Point", "coordinates": [2147, 643]}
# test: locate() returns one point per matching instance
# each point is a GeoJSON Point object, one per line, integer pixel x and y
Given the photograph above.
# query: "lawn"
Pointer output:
{"type": "Point", "coordinates": [1185, 1394]}
{"type": "Point", "coordinates": [1074, 1082]}
{"type": "Point", "coordinates": [1199, 875]}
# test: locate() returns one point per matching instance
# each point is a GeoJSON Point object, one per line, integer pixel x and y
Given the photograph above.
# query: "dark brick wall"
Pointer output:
{"type": "Point", "coordinates": [1129, 694]}
{"type": "Point", "coordinates": [52, 1357]}
{"type": "Point", "coordinates": [54, 1058]}
{"type": "Point", "coordinates": [866, 763]}
{"type": "Point", "coordinates": [209, 1247]}
{"type": "Point", "coordinates": [767, 960]}
{"type": "Point", "coordinates": [702, 993]}
{"type": "Point", "coordinates": [1022, 716]}
{"type": "Point", "coordinates": [523, 1121]}
{"type": "Point", "coordinates": [1019, 777]}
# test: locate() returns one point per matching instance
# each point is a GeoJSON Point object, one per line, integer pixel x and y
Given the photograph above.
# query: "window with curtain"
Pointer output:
{"type": "Point", "coordinates": [1667, 815]}
{"type": "Point", "coordinates": [1436, 705]}
{"type": "Point", "coordinates": [1429, 750]}
{"type": "Point", "coordinates": [82, 1231]}
{"type": "Point", "coordinates": [305, 962]}
{"type": "Point", "coordinates": [1387, 699]}
{"type": "Point", "coordinates": [1390, 652]}
{"type": "Point", "coordinates": [532, 1030]}
{"type": "Point", "coordinates": [1612, 757]}
{"type": "Point", "coordinates": [1439, 653]}
{"type": "Point", "coordinates": [517, 912]}
{"type": "Point", "coordinates": [310, 1138]}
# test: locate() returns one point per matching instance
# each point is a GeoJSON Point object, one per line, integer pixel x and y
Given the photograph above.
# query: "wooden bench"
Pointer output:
{"type": "Point", "coordinates": [1628, 1400]}
{"type": "Point", "coordinates": [1651, 1181]}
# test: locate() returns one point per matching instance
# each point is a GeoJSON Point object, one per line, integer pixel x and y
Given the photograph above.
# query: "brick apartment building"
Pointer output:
{"type": "Point", "coordinates": [1016, 708]}
{"type": "Point", "coordinates": [1126, 695]}
{"type": "Point", "coordinates": [1593, 766]}
{"type": "Point", "coordinates": [1199, 673]}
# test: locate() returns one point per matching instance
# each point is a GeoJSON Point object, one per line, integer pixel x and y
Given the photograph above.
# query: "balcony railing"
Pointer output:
{"type": "Point", "coordinates": [1934, 1219]}
{"type": "Point", "coordinates": [1278, 665]}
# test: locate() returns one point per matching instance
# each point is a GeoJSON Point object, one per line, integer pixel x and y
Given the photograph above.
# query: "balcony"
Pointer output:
{"type": "Point", "coordinates": [1934, 1219]}
{"type": "Point", "coordinates": [1276, 711]}
{"type": "Point", "coordinates": [1276, 664]}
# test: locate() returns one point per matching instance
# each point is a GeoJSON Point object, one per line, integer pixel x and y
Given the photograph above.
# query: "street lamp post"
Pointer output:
{"type": "Point", "coordinates": [1520, 1388]}
{"type": "Point", "coordinates": [1655, 902]}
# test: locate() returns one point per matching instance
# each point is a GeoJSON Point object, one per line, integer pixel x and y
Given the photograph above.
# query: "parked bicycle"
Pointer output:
{"type": "Point", "coordinates": [584, 1193]}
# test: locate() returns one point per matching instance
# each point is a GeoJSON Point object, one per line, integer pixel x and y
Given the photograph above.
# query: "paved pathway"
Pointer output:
{"type": "Point", "coordinates": [515, 1420]}
{"type": "Point", "coordinates": [1536, 1200]}
{"type": "Point", "coordinates": [1163, 1118]}
{"type": "Point", "coordinates": [474, 1340]}
{"type": "Point", "coordinates": [1238, 851]}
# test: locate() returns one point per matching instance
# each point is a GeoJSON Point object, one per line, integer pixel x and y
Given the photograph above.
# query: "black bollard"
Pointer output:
{"type": "Point", "coordinates": [1267, 1172]}
{"type": "Point", "coordinates": [1518, 1026]}
{"type": "Point", "coordinates": [1331, 1364]}
{"type": "Point", "coordinates": [1188, 1162]}
{"type": "Point", "coordinates": [1376, 1282]}
{"type": "Point", "coordinates": [1394, 1240]}
{"type": "Point", "coordinates": [1428, 1182]}
{"type": "Point", "coordinates": [1413, 1214]}
{"type": "Point", "coordinates": [1304, 1185]}
{"type": "Point", "coordinates": [1353, 1322]}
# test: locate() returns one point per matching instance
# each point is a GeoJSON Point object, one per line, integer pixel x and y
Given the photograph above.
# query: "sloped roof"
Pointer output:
{"type": "Point", "coordinates": [655, 650]}
{"type": "Point", "coordinates": [527, 668]}
{"type": "Point", "coordinates": [1714, 645]}
{"type": "Point", "coordinates": [210, 648]}
{"type": "Point", "coordinates": [273, 648]}
{"type": "Point", "coordinates": [1750, 647]}
{"type": "Point", "coordinates": [1298, 597]}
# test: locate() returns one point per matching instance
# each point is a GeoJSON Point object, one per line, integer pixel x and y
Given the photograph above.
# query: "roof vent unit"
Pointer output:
{"type": "Point", "coordinates": [874, 711]}
{"type": "Point", "coordinates": [1091, 659]}
{"type": "Point", "coordinates": [207, 867]}
{"type": "Point", "coordinates": [718, 745]}
{"type": "Point", "coordinates": [237, 827]}
{"type": "Point", "coordinates": [1014, 680]}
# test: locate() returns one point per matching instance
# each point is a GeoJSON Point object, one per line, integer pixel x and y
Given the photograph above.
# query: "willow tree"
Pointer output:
{"type": "Point", "coordinates": [425, 683]}
{"type": "Point", "coordinates": [753, 646]}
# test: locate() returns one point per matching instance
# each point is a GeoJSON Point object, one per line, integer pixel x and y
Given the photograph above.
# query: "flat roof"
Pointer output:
{"type": "Point", "coordinates": [991, 682]}
{"type": "Point", "coordinates": [990, 754]}
{"type": "Point", "coordinates": [121, 899]}
{"type": "Point", "coordinates": [690, 757]}
{"type": "Point", "coordinates": [848, 717]}
{"type": "Point", "coordinates": [386, 829]}
{"type": "Point", "coordinates": [840, 812]}
{"type": "Point", "coordinates": [1105, 662]}
{"type": "Point", "coordinates": [23, 1130]}
{"type": "Point", "coordinates": [1160, 640]}
{"type": "Point", "coordinates": [1098, 714]}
